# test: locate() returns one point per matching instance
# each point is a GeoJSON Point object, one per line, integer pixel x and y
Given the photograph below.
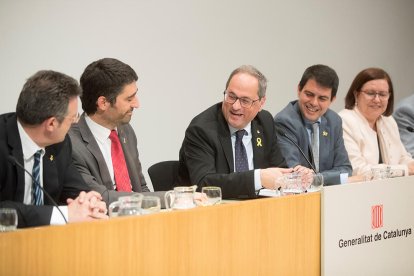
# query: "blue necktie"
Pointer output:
{"type": "Point", "coordinates": [315, 145]}
{"type": "Point", "coordinates": [37, 198]}
{"type": "Point", "coordinates": [240, 152]}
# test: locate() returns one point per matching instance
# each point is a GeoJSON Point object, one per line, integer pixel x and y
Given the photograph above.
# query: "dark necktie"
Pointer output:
{"type": "Point", "coordinates": [37, 196]}
{"type": "Point", "coordinates": [240, 152]}
{"type": "Point", "coordinates": [315, 145]}
{"type": "Point", "coordinates": [122, 180]}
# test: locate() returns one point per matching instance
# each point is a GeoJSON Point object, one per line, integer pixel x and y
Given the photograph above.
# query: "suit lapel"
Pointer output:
{"type": "Point", "coordinates": [225, 140]}
{"type": "Point", "coordinates": [94, 149]}
{"type": "Point", "coordinates": [258, 144]}
{"type": "Point", "coordinates": [324, 140]}
{"type": "Point", "coordinates": [15, 144]}
{"type": "Point", "coordinates": [128, 159]}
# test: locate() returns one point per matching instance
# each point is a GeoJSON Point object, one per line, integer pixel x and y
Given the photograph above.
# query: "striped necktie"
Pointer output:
{"type": "Point", "coordinates": [37, 196]}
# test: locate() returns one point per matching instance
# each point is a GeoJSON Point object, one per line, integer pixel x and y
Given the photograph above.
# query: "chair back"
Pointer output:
{"type": "Point", "coordinates": [164, 175]}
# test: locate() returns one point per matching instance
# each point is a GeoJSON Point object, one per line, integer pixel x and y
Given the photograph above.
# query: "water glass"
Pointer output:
{"type": "Point", "coordinates": [150, 205]}
{"type": "Point", "coordinates": [8, 219]}
{"type": "Point", "coordinates": [382, 172]}
{"type": "Point", "coordinates": [291, 183]}
{"type": "Point", "coordinates": [213, 194]}
{"type": "Point", "coordinates": [317, 183]}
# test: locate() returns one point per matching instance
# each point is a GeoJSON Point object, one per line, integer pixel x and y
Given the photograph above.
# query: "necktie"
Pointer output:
{"type": "Point", "coordinates": [37, 196]}
{"type": "Point", "coordinates": [315, 145]}
{"type": "Point", "coordinates": [122, 180]}
{"type": "Point", "coordinates": [240, 152]}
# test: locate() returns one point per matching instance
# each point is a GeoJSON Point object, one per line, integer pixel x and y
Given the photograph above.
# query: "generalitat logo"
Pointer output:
{"type": "Point", "coordinates": [377, 216]}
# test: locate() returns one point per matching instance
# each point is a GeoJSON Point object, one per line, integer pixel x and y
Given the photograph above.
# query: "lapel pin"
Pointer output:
{"type": "Point", "coordinates": [51, 157]}
{"type": "Point", "coordinates": [259, 142]}
{"type": "Point", "coordinates": [324, 133]}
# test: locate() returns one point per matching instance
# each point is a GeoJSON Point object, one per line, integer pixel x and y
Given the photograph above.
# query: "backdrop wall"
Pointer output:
{"type": "Point", "coordinates": [183, 51]}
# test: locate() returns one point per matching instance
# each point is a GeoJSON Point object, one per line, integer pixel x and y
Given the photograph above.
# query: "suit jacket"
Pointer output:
{"type": "Point", "coordinates": [404, 116]}
{"type": "Point", "coordinates": [333, 157]}
{"type": "Point", "coordinates": [91, 164]}
{"type": "Point", "coordinates": [361, 142]}
{"type": "Point", "coordinates": [206, 155]}
{"type": "Point", "coordinates": [60, 178]}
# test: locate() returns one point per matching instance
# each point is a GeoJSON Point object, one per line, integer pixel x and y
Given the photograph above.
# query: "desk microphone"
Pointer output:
{"type": "Point", "coordinates": [282, 133]}
{"type": "Point", "coordinates": [410, 129]}
{"type": "Point", "coordinates": [14, 161]}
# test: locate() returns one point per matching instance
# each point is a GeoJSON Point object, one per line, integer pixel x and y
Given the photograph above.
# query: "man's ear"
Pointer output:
{"type": "Point", "coordinates": [102, 103]}
{"type": "Point", "coordinates": [262, 102]}
{"type": "Point", "coordinates": [50, 124]}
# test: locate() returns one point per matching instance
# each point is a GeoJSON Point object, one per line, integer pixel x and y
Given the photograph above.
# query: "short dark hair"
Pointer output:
{"type": "Point", "coordinates": [46, 94]}
{"type": "Point", "coordinates": [363, 77]}
{"type": "Point", "coordinates": [324, 76]}
{"type": "Point", "coordinates": [252, 71]}
{"type": "Point", "coordinates": [105, 77]}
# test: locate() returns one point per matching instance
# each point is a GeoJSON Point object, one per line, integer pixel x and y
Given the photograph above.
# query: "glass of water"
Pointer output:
{"type": "Point", "coordinates": [150, 205]}
{"type": "Point", "coordinates": [213, 194]}
{"type": "Point", "coordinates": [8, 219]}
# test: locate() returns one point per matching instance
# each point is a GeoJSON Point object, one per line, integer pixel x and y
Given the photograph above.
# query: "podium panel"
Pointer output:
{"type": "Point", "coordinates": [274, 236]}
{"type": "Point", "coordinates": [367, 228]}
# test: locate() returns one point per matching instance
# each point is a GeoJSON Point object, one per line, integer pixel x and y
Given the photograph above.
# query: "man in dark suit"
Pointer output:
{"type": "Point", "coordinates": [109, 96]}
{"type": "Point", "coordinates": [35, 137]}
{"type": "Point", "coordinates": [310, 115]}
{"type": "Point", "coordinates": [211, 154]}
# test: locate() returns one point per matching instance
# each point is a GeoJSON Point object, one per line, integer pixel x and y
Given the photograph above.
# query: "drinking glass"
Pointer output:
{"type": "Point", "coordinates": [213, 194]}
{"type": "Point", "coordinates": [126, 206]}
{"type": "Point", "coordinates": [8, 219]}
{"type": "Point", "coordinates": [317, 183]}
{"type": "Point", "coordinates": [150, 205]}
{"type": "Point", "coordinates": [291, 183]}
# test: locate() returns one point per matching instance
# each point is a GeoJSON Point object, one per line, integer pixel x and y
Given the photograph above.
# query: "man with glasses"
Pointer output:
{"type": "Point", "coordinates": [315, 128]}
{"type": "Point", "coordinates": [233, 144]}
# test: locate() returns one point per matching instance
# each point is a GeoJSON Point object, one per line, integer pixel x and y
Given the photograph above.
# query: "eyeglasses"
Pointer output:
{"type": "Point", "coordinates": [245, 102]}
{"type": "Point", "coordinates": [382, 95]}
{"type": "Point", "coordinates": [74, 119]}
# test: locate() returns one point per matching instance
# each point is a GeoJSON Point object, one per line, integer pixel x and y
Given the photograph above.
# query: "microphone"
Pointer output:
{"type": "Point", "coordinates": [14, 161]}
{"type": "Point", "coordinates": [410, 129]}
{"type": "Point", "coordinates": [282, 133]}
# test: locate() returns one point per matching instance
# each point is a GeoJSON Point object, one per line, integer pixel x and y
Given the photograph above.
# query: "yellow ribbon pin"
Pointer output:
{"type": "Point", "coordinates": [51, 157]}
{"type": "Point", "coordinates": [259, 142]}
{"type": "Point", "coordinates": [324, 133]}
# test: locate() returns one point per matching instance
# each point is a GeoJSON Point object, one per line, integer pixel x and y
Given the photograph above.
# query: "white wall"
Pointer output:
{"type": "Point", "coordinates": [183, 51]}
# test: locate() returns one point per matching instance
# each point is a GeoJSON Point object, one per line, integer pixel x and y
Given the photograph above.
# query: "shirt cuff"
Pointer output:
{"type": "Point", "coordinates": [257, 180]}
{"type": "Point", "coordinates": [57, 218]}
{"type": "Point", "coordinates": [343, 178]}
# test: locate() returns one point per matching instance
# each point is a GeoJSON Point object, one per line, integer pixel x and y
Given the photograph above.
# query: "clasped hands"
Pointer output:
{"type": "Point", "coordinates": [86, 207]}
{"type": "Point", "coordinates": [271, 177]}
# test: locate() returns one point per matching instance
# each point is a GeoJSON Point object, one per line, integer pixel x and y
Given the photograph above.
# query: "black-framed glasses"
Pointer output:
{"type": "Point", "coordinates": [383, 95]}
{"type": "Point", "coordinates": [245, 102]}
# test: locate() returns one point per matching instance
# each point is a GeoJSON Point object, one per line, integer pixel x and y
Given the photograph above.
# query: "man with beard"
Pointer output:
{"type": "Point", "coordinates": [104, 143]}
{"type": "Point", "coordinates": [314, 127]}
{"type": "Point", "coordinates": [233, 144]}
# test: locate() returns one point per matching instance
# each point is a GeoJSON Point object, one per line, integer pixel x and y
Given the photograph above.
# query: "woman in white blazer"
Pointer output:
{"type": "Point", "coordinates": [370, 132]}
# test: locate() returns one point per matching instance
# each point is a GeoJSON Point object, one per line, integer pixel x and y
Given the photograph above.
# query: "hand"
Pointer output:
{"type": "Point", "coordinates": [411, 168]}
{"type": "Point", "coordinates": [357, 178]}
{"type": "Point", "coordinates": [87, 206]}
{"type": "Point", "coordinates": [306, 175]}
{"type": "Point", "coordinates": [200, 199]}
{"type": "Point", "coordinates": [270, 176]}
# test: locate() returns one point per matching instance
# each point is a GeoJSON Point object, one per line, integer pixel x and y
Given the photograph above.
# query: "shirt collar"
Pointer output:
{"type": "Point", "coordinates": [248, 129]}
{"type": "Point", "coordinates": [29, 147]}
{"type": "Point", "coordinates": [100, 133]}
